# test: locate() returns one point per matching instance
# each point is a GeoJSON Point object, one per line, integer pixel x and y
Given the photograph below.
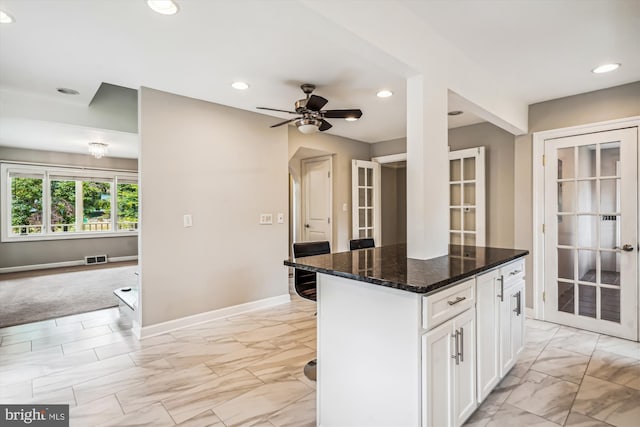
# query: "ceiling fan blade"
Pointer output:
{"type": "Point", "coordinates": [275, 109]}
{"type": "Point", "coordinates": [325, 125]}
{"type": "Point", "coordinates": [315, 103]}
{"type": "Point", "coordinates": [342, 114]}
{"type": "Point", "coordinates": [284, 123]}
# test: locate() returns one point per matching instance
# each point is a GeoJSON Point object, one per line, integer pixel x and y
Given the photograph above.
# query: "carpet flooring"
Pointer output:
{"type": "Point", "coordinates": [34, 296]}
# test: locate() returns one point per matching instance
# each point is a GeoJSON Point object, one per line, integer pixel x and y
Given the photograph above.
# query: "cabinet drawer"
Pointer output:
{"type": "Point", "coordinates": [513, 271]}
{"type": "Point", "coordinates": [444, 305]}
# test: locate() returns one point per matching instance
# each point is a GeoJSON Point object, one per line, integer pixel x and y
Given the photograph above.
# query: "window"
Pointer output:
{"type": "Point", "coordinates": [60, 203]}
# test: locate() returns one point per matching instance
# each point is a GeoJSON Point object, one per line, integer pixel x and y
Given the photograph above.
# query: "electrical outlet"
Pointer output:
{"type": "Point", "coordinates": [266, 219]}
{"type": "Point", "coordinates": [187, 220]}
{"type": "Point", "coordinates": [280, 218]}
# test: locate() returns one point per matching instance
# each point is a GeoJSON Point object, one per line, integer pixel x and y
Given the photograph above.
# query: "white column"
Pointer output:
{"type": "Point", "coordinates": [427, 168]}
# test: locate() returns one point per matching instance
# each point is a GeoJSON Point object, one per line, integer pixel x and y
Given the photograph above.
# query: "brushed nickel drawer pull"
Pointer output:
{"type": "Point", "coordinates": [458, 299]}
{"type": "Point", "coordinates": [514, 272]}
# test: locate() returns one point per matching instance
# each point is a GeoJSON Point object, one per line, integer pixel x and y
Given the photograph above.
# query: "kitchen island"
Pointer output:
{"type": "Point", "coordinates": [407, 342]}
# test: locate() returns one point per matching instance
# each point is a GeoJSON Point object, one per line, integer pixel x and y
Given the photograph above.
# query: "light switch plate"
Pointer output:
{"type": "Point", "coordinates": [344, 207]}
{"type": "Point", "coordinates": [266, 219]}
{"type": "Point", "coordinates": [187, 220]}
{"type": "Point", "coordinates": [280, 218]}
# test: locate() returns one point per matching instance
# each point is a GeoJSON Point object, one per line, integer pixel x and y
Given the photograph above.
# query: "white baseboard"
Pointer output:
{"type": "Point", "coordinates": [31, 267]}
{"type": "Point", "coordinates": [197, 319]}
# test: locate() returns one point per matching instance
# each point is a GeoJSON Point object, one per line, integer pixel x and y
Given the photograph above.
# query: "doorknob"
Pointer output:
{"type": "Point", "coordinates": [627, 248]}
{"type": "Point", "coordinates": [307, 226]}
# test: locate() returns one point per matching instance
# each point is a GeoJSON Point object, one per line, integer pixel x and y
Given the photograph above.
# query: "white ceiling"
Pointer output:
{"type": "Point", "coordinates": [538, 50]}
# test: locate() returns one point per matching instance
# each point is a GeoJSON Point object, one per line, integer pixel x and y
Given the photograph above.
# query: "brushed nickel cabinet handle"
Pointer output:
{"type": "Point", "coordinates": [458, 299]}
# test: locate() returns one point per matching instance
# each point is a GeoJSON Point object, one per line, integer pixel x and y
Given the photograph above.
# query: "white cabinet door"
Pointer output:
{"type": "Point", "coordinates": [517, 318]}
{"type": "Point", "coordinates": [488, 328]}
{"type": "Point", "coordinates": [437, 385]}
{"type": "Point", "coordinates": [464, 370]}
{"type": "Point", "coordinates": [507, 357]}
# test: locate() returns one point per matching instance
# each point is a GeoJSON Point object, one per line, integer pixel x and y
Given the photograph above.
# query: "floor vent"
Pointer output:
{"type": "Point", "coordinates": [95, 259]}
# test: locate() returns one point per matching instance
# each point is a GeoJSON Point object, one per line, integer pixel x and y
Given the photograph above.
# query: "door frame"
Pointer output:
{"type": "Point", "coordinates": [538, 213]}
{"type": "Point", "coordinates": [303, 196]}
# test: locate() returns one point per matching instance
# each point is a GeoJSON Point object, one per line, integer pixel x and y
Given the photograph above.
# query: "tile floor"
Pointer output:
{"type": "Point", "coordinates": [246, 370]}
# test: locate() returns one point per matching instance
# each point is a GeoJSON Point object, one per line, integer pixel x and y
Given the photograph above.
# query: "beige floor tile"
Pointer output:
{"type": "Point", "coordinates": [282, 364]}
{"type": "Point", "coordinates": [96, 412]}
{"type": "Point", "coordinates": [204, 419]}
{"type": "Point", "coordinates": [131, 344]}
{"type": "Point", "coordinates": [545, 396]}
{"type": "Point", "coordinates": [96, 341]}
{"type": "Point", "coordinates": [258, 405]}
{"type": "Point", "coordinates": [619, 346]}
{"type": "Point", "coordinates": [510, 416]}
{"type": "Point", "coordinates": [187, 404]}
{"type": "Point", "coordinates": [41, 333]}
{"type": "Point", "coordinates": [160, 387]}
{"type": "Point", "coordinates": [28, 327]}
{"type": "Point", "coordinates": [121, 380]}
{"type": "Point", "coordinates": [562, 364]}
{"type": "Point", "coordinates": [19, 348]}
{"type": "Point", "coordinates": [81, 373]}
{"type": "Point", "coordinates": [63, 396]}
{"type": "Point", "coordinates": [578, 420]}
{"type": "Point", "coordinates": [55, 363]}
{"type": "Point", "coordinates": [615, 368]}
{"type": "Point", "coordinates": [69, 337]}
{"type": "Point", "coordinates": [92, 316]}
{"type": "Point", "coordinates": [16, 393]}
{"type": "Point", "coordinates": [154, 415]}
{"type": "Point", "coordinates": [608, 402]}
{"type": "Point", "coordinates": [196, 353]}
{"type": "Point", "coordinates": [301, 413]}
{"type": "Point", "coordinates": [264, 333]}
{"type": "Point", "coordinates": [574, 340]}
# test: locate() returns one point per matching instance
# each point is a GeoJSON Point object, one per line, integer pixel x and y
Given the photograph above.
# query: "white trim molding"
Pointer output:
{"type": "Point", "coordinates": [208, 316]}
{"type": "Point", "coordinates": [539, 138]}
{"type": "Point", "coordinates": [74, 263]}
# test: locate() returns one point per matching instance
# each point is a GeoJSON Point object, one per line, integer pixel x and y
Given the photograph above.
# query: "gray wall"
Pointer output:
{"type": "Point", "coordinates": [393, 194]}
{"type": "Point", "coordinates": [499, 149]}
{"type": "Point", "coordinates": [386, 148]}
{"type": "Point", "coordinates": [343, 151]}
{"type": "Point", "coordinates": [224, 166]}
{"type": "Point", "coordinates": [16, 254]}
{"type": "Point", "coordinates": [607, 104]}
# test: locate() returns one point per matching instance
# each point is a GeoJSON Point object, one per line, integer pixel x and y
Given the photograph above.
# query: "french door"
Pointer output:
{"type": "Point", "coordinates": [591, 232]}
{"type": "Point", "coordinates": [365, 200]}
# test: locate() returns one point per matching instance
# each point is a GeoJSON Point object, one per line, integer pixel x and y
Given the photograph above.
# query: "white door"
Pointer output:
{"type": "Point", "coordinates": [591, 232]}
{"type": "Point", "coordinates": [365, 200]}
{"type": "Point", "coordinates": [467, 224]}
{"type": "Point", "coordinates": [316, 199]}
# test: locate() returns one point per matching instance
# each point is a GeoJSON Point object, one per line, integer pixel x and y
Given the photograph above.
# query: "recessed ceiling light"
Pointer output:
{"type": "Point", "coordinates": [384, 93]}
{"type": "Point", "coordinates": [165, 7]}
{"type": "Point", "coordinates": [67, 91]}
{"type": "Point", "coordinates": [5, 18]}
{"type": "Point", "coordinates": [240, 85]}
{"type": "Point", "coordinates": [455, 113]}
{"type": "Point", "coordinates": [605, 68]}
{"type": "Point", "coordinates": [351, 119]}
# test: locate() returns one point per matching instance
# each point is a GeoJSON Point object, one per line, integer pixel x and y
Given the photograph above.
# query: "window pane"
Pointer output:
{"type": "Point", "coordinates": [96, 199]}
{"type": "Point", "coordinates": [26, 205]}
{"type": "Point", "coordinates": [63, 206]}
{"type": "Point", "coordinates": [127, 207]}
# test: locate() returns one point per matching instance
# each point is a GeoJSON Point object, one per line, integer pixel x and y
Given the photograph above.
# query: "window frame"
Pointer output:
{"type": "Point", "coordinates": [112, 175]}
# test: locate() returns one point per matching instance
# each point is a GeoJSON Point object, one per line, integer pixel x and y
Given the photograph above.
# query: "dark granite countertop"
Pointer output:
{"type": "Point", "coordinates": [389, 266]}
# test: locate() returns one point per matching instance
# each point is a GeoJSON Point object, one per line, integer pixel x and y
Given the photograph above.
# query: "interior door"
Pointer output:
{"type": "Point", "coordinates": [316, 199]}
{"type": "Point", "coordinates": [365, 200]}
{"type": "Point", "coordinates": [591, 232]}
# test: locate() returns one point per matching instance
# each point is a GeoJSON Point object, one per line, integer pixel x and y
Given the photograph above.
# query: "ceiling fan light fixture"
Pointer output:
{"type": "Point", "coordinates": [240, 85]}
{"type": "Point", "coordinates": [308, 126]}
{"type": "Point", "coordinates": [605, 68]}
{"type": "Point", "coordinates": [164, 7]}
{"type": "Point", "coordinates": [98, 149]}
{"type": "Point", "coordinates": [351, 119]}
{"type": "Point", "coordinates": [455, 112]}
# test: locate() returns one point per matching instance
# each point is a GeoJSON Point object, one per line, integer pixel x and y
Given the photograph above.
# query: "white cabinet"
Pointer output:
{"type": "Point", "coordinates": [500, 313]}
{"type": "Point", "coordinates": [449, 372]}
{"type": "Point", "coordinates": [488, 322]}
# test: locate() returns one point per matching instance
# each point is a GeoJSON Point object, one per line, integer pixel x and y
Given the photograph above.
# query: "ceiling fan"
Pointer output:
{"type": "Point", "coordinates": [311, 115]}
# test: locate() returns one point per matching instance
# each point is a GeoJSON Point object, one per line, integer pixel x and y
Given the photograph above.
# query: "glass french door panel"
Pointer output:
{"type": "Point", "coordinates": [587, 231]}
{"type": "Point", "coordinates": [609, 231]}
{"type": "Point", "coordinates": [587, 266]}
{"type": "Point", "coordinates": [455, 238]}
{"type": "Point", "coordinates": [455, 219]}
{"type": "Point", "coordinates": [566, 263]}
{"type": "Point", "coordinates": [469, 194]}
{"type": "Point", "coordinates": [610, 268]}
{"type": "Point", "coordinates": [362, 197]}
{"type": "Point", "coordinates": [469, 239]}
{"type": "Point", "coordinates": [369, 177]}
{"type": "Point", "coordinates": [566, 297]}
{"type": "Point", "coordinates": [609, 195]}
{"type": "Point", "coordinates": [567, 196]}
{"type": "Point", "coordinates": [587, 305]}
{"type": "Point", "coordinates": [455, 170]}
{"type": "Point", "coordinates": [610, 304]}
{"type": "Point", "coordinates": [455, 195]}
{"type": "Point", "coordinates": [587, 196]}
{"type": "Point", "coordinates": [609, 158]}
{"type": "Point", "coordinates": [469, 169]}
{"type": "Point", "coordinates": [361, 182]}
{"type": "Point", "coordinates": [566, 230]}
{"type": "Point", "coordinates": [587, 161]}
{"type": "Point", "coordinates": [566, 163]}
{"type": "Point", "coordinates": [469, 216]}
